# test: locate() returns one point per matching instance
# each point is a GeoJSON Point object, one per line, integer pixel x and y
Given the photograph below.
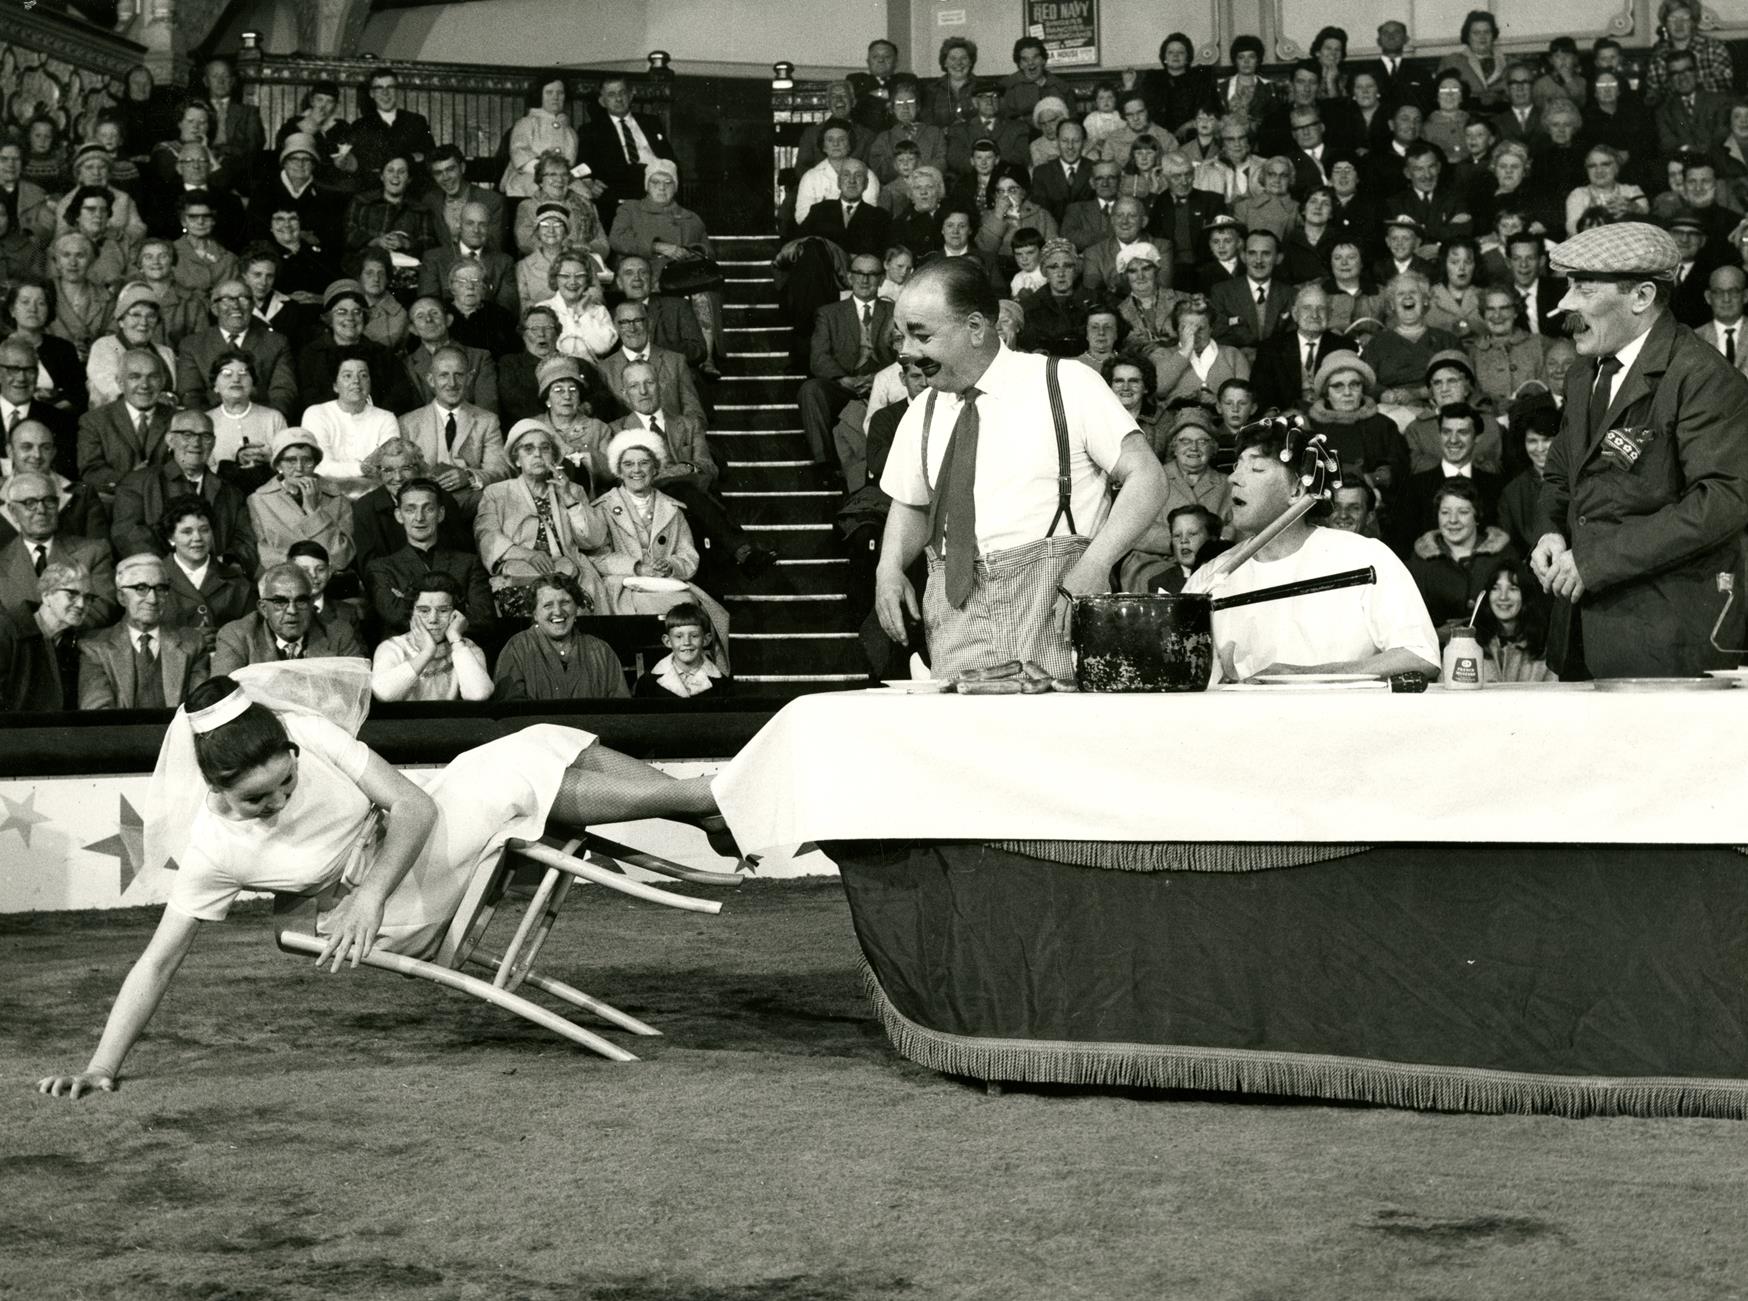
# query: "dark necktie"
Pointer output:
{"type": "Point", "coordinates": [953, 510]}
{"type": "Point", "coordinates": [13, 419]}
{"type": "Point", "coordinates": [655, 427]}
{"type": "Point", "coordinates": [42, 558]}
{"type": "Point", "coordinates": [1262, 296]}
{"type": "Point", "coordinates": [234, 340]}
{"type": "Point", "coordinates": [1606, 370]}
{"type": "Point", "coordinates": [1310, 357]}
{"type": "Point", "coordinates": [290, 651]}
{"type": "Point", "coordinates": [449, 431]}
{"type": "Point", "coordinates": [1730, 345]}
{"type": "Point", "coordinates": [148, 681]}
{"type": "Point", "coordinates": [631, 154]}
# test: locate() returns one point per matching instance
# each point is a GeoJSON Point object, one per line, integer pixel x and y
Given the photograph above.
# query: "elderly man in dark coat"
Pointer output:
{"type": "Point", "coordinates": [1645, 493]}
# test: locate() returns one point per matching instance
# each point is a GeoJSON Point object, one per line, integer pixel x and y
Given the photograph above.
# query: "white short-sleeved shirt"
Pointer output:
{"type": "Point", "coordinates": [1016, 449]}
{"type": "Point", "coordinates": [302, 849]}
{"type": "Point", "coordinates": [1350, 623]}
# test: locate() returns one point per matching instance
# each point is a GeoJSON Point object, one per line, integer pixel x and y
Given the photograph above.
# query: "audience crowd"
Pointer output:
{"type": "Point", "coordinates": [329, 396]}
{"type": "Point", "coordinates": [321, 393]}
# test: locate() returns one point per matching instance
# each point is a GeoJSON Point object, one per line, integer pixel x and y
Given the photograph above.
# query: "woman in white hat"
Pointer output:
{"type": "Point", "coordinates": [137, 319]}
{"type": "Point", "coordinates": [298, 504]}
{"type": "Point", "coordinates": [538, 522]}
{"type": "Point", "coordinates": [582, 438]}
{"type": "Point", "coordinates": [1146, 308]}
{"type": "Point", "coordinates": [660, 229]}
{"type": "Point", "coordinates": [648, 538]}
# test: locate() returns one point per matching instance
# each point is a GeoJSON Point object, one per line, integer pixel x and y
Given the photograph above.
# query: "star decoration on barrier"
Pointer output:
{"type": "Point", "coordinates": [128, 846]}
{"type": "Point", "coordinates": [21, 816]}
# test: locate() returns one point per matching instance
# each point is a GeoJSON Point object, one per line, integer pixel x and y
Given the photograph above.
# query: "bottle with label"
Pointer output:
{"type": "Point", "coordinates": [1462, 661]}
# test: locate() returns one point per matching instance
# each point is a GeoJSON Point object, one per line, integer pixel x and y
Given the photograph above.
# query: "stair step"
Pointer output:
{"type": "Point", "coordinates": [747, 465]}
{"type": "Point", "coordinates": [790, 636]}
{"type": "Point", "coordinates": [742, 678]}
{"type": "Point", "coordinates": [757, 433]}
{"type": "Point", "coordinates": [787, 528]}
{"type": "Point", "coordinates": [806, 657]}
{"type": "Point", "coordinates": [828, 560]}
{"type": "Point", "coordinates": [777, 597]}
{"type": "Point", "coordinates": [765, 508]}
{"type": "Point", "coordinates": [756, 329]}
{"type": "Point", "coordinates": [798, 544]}
{"type": "Point", "coordinates": [755, 262]}
{"type": "Point", "coordinates": [748, 239]}
{"type": "Point", "coordinates": [765, 377]}
{"type": "Point", "coordinates": [754, 356]}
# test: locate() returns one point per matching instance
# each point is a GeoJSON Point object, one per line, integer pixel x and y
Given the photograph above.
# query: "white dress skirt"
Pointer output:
{"type": "Point", "coordinates": [328, 831]}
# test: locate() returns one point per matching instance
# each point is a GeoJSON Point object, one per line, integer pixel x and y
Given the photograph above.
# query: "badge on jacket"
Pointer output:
{"type": "Point", "coordinates": [1622, 448]}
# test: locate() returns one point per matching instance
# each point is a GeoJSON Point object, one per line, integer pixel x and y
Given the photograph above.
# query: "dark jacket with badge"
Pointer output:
{"type": "Point", "coordinates": [1653, 505]}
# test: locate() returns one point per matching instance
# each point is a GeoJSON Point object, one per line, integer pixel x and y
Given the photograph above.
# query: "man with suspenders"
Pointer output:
{"type": "Point", "coordinates": [1003, 472]}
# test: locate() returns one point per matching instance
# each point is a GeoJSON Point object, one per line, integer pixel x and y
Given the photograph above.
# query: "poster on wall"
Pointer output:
{"type": "Point", "coordinates": [1068, 28]}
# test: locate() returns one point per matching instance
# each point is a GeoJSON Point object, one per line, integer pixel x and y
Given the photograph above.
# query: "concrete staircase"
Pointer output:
{"type": "Point", "coordinates": [793, 630]}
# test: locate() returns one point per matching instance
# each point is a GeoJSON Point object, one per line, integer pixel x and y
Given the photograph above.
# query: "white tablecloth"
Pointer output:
{"type": "Point", "coordinates": [1542, 765]}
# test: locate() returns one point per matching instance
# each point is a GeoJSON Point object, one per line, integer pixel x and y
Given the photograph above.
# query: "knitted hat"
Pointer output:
{"type": "Point", "coordinates": [1451, 357]}
{"type": "Point", "coordinates": [626, 439]}
{"type": "Point", "coordinates": [1141, 251]}
{"type": "Point", "coordinates": [1335, 363]}
{"type": "Point", "coordinates": [662, 167]}
{"type": "Point", "coordinates": [1048, 103]}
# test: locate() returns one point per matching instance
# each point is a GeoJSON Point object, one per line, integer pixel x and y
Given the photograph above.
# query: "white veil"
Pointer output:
{"type": "Point", "coordinates": [337, 689]}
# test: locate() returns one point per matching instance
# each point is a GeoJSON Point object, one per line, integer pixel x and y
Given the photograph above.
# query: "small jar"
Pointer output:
{"type": "Point", "coordinates": [1462, 661]}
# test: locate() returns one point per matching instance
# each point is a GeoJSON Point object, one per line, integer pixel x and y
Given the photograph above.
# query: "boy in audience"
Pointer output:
{"type": "Point", "coordinates": [686, 672]}
{"type": "Point", "coordinates": [1028, 251]}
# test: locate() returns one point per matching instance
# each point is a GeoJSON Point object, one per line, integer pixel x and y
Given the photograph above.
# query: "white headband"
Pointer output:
{"type": "Point", "coordinates": [218, 714]}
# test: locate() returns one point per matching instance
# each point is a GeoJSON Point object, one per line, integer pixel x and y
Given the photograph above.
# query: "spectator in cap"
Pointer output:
{"type": "Point", "coordinates": [92, 167]}
{"type": "Point", "coordinates": [1635, 527]}
{"type": "Point", "coordinates": [324, 133]}
{"type": "Point", "coordinates": [552, 225]}
{"type": "Point", "coordinates": [1698, 258]}
{"type": "Point", "coordinates": [1361, 437]}
{"type": "Point", "coordinates": [297, 503]}
{"type": "Point", "coordinates": [1009, 135]}
{"type": "Point", "coordinates": [1450, 381]}
{"type": "Point", "coordinates": [567, 394]}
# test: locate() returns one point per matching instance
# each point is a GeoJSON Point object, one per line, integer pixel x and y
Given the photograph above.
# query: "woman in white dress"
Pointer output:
{"type": "Point", "coordinates": [261, 785]}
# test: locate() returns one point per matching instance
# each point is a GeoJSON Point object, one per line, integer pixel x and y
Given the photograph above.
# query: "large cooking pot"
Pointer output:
{"type": "Point", "coordinates": [1127, 641]}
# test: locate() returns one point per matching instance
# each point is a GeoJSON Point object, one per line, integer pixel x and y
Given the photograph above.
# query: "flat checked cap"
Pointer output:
{"type": "Point", "coordinates": [1623, 248]}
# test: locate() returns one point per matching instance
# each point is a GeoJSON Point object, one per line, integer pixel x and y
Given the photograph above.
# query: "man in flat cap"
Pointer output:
{"type": "Point", "coordinates": [1645, 494]}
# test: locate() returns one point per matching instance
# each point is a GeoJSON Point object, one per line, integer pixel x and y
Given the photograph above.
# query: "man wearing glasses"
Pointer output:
{"type": "Point", "coordinates": [39, 642]}
{"type": "Point", "coordinates": [235, 326]}
{"type": "Point", "coordinates": [1520, 120]}
{"type": "Point", "coordinates": [385, 130]}
{"type": "Point", "coordinates": [141, 496]}
{"type": "Point", "coordinates": [18, 400]}
{"type": "Point", "coordinates": [852, 339]}
{"type": "Point", "coordinates": [138, 663]}
{"type": "Point", "coordinates": [283, 626]}
{"type": "Point", "coordinates": [31, 447]}
{"type": "Point", "coordinates": [34, 502]}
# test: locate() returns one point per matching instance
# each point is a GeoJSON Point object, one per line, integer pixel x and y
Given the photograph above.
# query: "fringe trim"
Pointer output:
{"type": "Point", "coordinates": [1351, 1079]}
{"type": "Point", "coordinates": [1184, 856]}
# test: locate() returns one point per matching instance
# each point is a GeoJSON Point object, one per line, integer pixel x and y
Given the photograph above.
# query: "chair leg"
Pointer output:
{"type": "Point", "coordinates": [480, 989]}
{"type": "Point", "coordinates": [574, 996]}
{"type": "Point", "coordinates": [661, 866]}
{"type": "Point", "coordinates": [536, 925]}
{"type": "Point", "coordinates": [551, 857]}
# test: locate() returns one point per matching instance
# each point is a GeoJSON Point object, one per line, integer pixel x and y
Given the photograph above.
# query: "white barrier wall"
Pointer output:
{"type": "Point", "coordinates": [70, 843]}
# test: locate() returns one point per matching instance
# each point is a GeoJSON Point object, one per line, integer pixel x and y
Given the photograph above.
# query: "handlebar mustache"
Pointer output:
{"type": "Point", "coordinates": [927, 365]}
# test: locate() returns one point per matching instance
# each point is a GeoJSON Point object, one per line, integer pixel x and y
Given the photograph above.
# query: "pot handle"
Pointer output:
{"type": "Point", "coordinates": [1304, 587]}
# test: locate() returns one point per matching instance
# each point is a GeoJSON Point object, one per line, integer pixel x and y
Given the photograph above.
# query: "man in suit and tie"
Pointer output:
{"type": "Point", "coordinates": [1688, 117]}
{"type": "Point", "coordinates": [31, 447]}
{"type": "Point", "coordinates": [1539, 292]}
{"type": "Point", "coordinates": [31, 499]}
{"type": "Point", "coordinates": [461, 442]}
{"type": "Point", "coordinates": [129, 432]}
{"type": "Point", "coordinates": [851, 341]}
{"type": "Point", "coordinates": [1012, 142]}
{"type": "Point", "coordinates": [1250, 310]}
{"type": "Point", "coordinates": [632, 319]}
{"type": "Point", "coordinates": [392, 579]}
{"type": "Point", "coordinates": [451, 193]}
{"type": "Point", "coordinates": [18, 402]}
{"type": "Point", "coordinates": [1727, 330]}
{"type": "Point", "coordinates": [689, 475]}
{"type": "Point", "coordinates": [1310, 156]}
{"type": "Point", "coordinates": [1287, 361]}
{"type": "Point", "coordinates": [473, 243]}
{"type": "Point", "coordinates": [1521, 118]}
{"type": "Point", "coordinates": [236, 328]}
{"type": "Point", "coordinates": [283, 626]}
{"type": "Point", "coordinates": [1700, 256]}
{"type": "Point", "coordinates": [1439, 209]}
{"type": "Point", "coordinates": [238, 138]}
{"type": "Point", "coordinates": [1645, 492]}
{"type": "Point", "coordinates": [852, 223]}
{"type": "Point", "coordinates": [138, 663]}
{"type": "Point", "coordinates": [428, 320]}
{"type": "Point", "coordinates": [1068, 179]}
{"type": "Point", "coordinates": [1086, 222]}
{"type": "Point", "coordinates": [617, 143]}
{"type": "Point", "coordinates": [877, 89]}
{"type": "Point", "coordinates": [1399, 82]}
{"type": "Point", "coordinates": [142, 494]}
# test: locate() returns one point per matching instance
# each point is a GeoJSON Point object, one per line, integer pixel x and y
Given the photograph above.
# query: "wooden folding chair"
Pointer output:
{"type": "Point", "coordinates": [294, 930]}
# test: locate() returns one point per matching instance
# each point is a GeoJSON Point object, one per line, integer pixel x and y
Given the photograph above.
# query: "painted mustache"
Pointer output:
{"type": "Point", "coordinates": [927, 365]}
